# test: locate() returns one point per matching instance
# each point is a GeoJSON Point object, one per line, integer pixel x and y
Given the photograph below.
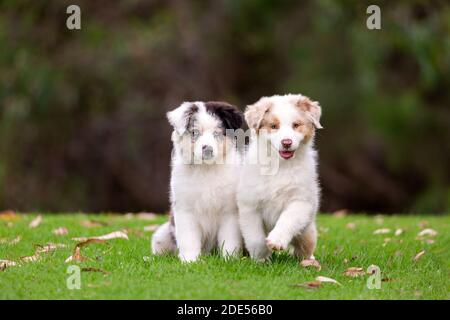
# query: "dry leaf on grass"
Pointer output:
{"type": "Point", "coordinates": [61, 231]}
{"type": "Point", "coordinates": [136, 232]}
{"type": "Point", "coordinates": [35, 257]}
{"type": "Point", "coordinates": [326, 279]}
{"type": "Point", "coordinates": [340, 213]}
{"type": "Point", "coordinates": [354, 272]}
{"type": "Point", "coordinates": [6, 264]}
{"type": "Point", "coordinates": [309, 285]}
{"type": "Point", "coordinates": [14, 241]}
{"type": "Point", "coordinates": [398, 232]}
{"type": "Point", "coordinates": [35, 222]}
{"type": "Point", "coordinates": [317, 283]}
{"type": "Point", "coordinates": [151, 228]}
{"type": "Point", "coordinates": [49, 247]}
{"type": "Point", "coordinates": [146, 216]}
{"type": "Point", "coordinates": [93, 223]}
{"type": "Point", "coordinates": [84, 241]}
{"type": "Point", "coordinates": [424, 240]}
{"type": "Point", "coordinates": [423, 224]}
{"type": "Point", "coordinates": [351, 226]}
{"type": "Point", "coordinates": [141, 216]}
{"type": "Point", "coordinates": [76, 256]}
{"type": "Point", "coordinates": [42, 249]}
{"type": "Point", "coordinates": [419, 255]}
{"type": "Point", "coordinates": [379, 219]}
{"type": "Point", "coordinates": [424, 234]}
{"type": "Point", "coordinates": [9, 216]}
{"type": "Point", "coordinates": [427, 232]}
{"type": "Point", "coordinates": [382, 231]}
{"type": "Point", "coordinates": [109, 236]}
{"type": "Point", "coordinates": [129, 215]}
{"type": "Point", "coordinates": [311, 263]}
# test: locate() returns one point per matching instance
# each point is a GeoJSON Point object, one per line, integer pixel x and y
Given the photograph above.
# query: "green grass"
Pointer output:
{"type": "Point", "coordinates": [131, 276]}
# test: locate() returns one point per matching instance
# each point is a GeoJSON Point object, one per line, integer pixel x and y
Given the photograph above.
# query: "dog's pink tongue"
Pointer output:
{"type": "Point", "coordinates": [286, 154]}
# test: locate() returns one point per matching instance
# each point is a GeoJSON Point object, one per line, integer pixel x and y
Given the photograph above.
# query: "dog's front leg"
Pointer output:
{"type": "Point", "coordinates": [252, 228]}
{"type": "Point", "coordinates": [229, 237]}
{"type": "Point", "coordinates": [189, 237]}
{"type": "Point", "coordinates": [293, 220]}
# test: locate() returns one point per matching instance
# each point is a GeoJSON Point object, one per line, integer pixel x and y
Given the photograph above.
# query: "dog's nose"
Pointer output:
{"type": "Point", "coordinates": [286, 143]}
{"type": "Point", "coordinates": [207, 151]}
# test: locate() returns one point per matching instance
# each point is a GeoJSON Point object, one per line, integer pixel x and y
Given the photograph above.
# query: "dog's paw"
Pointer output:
{"type": "Point", "coordinates": [262, 258]}
{"type": "Point", "coordinates": [275, 243]}
{"type": "Point", "coordinates": [188, 258]}
{"type": "Point", "coordinates": [259, 253]}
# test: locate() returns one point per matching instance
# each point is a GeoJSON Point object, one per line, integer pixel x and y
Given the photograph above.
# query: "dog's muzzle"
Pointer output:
{"type": "Point", "coordinates": [207, 152]}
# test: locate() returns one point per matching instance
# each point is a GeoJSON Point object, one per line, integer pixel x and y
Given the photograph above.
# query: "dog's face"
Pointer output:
{"type": "Point", "coordinates": [286, 121]}
{"type": "Point", "coordinates": [200, 130]}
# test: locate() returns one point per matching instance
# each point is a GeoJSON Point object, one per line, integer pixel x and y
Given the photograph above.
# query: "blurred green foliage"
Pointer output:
{"type": "Point", "coordinates": [82, 113]}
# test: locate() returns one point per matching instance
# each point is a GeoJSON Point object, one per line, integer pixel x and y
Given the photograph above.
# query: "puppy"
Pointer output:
{"type": "Point", "coordinates": [203, 183]}
{"type": "Point", "coordinates": [279, 209]}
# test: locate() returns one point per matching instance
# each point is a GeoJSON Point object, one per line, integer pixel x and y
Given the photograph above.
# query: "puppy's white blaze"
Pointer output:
{"type": "Point", "coordinates": [286, 113]}
{"type": "Point", "coordinates": [279, 210]}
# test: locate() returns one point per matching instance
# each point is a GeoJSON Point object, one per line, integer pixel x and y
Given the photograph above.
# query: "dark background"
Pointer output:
{"type": "Point", "coordinates": [82, 113]}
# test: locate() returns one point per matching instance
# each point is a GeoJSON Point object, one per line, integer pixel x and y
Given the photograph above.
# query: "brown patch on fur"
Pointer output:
{"type": "Point", "coordinates": [255, 113]}
{"type": "Point", "coordinates": [312, 109]}
{"type": "Point", "coordinates": [268, 121]}
{"type": "Point", "coordinates": [308, 131]}
{"type": "Point", "coordinates": [305, 244]}
{"type": "Point", "coordinates": [305, 104]}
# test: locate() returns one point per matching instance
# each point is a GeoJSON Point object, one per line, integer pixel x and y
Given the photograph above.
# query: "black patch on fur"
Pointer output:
{"type": "Point", "coordinates": [231, 116]}
{"type": "Point", "coordinates": [190, 115]}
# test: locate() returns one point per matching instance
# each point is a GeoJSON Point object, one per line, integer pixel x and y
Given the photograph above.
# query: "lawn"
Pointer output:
{"type": "Point", "coordinates": [124, 269]}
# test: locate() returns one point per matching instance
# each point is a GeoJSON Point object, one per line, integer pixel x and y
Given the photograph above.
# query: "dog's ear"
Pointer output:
{"type": "Point", "coordinates": [312, 110]}
{"type": "Point", "coordinates": [181, 116]}
{"type": "Point", "coordinates": [230, 115]}
{"type": "Point", "coordinates": [255, 113]}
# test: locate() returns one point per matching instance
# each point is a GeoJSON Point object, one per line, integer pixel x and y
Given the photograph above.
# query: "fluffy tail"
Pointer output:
{"type": "Point", "coordinates": [163, 240]}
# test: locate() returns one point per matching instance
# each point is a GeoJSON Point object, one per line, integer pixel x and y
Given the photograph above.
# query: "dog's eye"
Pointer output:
{"type": "Point", "coordinates": [217, 134]}
{"type": "Point", "coordinates": [195, 133]}
{"type": "Point", "coordinates": [273, 126]}
{"type": "Point", "coordinates": [295, 125]}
